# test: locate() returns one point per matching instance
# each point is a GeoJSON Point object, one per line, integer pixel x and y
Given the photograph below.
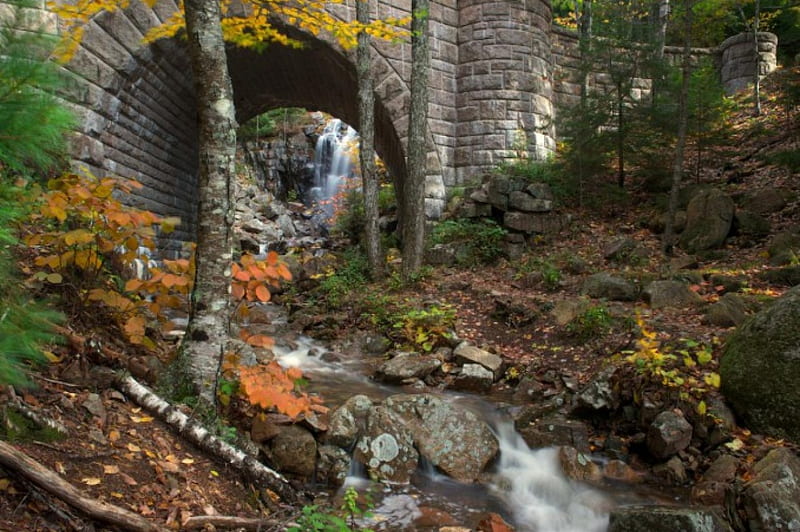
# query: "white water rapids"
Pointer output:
{"type": "Point", "coordinates": [527, 486]}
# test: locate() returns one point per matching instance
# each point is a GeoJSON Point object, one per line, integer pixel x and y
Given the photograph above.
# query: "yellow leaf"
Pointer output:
{"type": "Point", "coordinates": [54, 278]}
{"type": "Point", "coordinates": [187, 461]}
{"type": "Point", "coordinates": [110, 469]}
{"type": "Point", "coordinates": [91, 481]}
{"type": "Point", "coordinates": [117, 495]}
{"type": "Point", "coordinates": [132, 447]}
{"type": "Point", "coordinates": [142, 419]}
{"type": "Point", "coordinates": [701, 408]}
{"type": "Point", "coordinates": [214, 473]}
{"type": "Point", "coordinates": [113, 435]}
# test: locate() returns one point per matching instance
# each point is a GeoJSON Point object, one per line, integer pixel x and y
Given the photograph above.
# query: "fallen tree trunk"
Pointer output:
{"type": "Point", "coordinates": [51, 482]}
{"type": "Point", "coordinates": [252, 469]}
{"type": "Point", "coordinates": [225, 521]}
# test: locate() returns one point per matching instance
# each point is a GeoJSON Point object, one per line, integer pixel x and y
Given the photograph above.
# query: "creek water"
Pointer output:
{"type": "Point", "coordinates": [525, 486]}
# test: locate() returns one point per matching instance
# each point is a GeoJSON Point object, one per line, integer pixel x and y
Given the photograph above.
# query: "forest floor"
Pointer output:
{"type": "Point", "coordinates": [118, 453]}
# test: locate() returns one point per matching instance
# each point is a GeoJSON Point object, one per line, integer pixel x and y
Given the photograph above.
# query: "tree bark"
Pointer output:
{"type": "Point", "coordinates": [680, 144]}
{"type": "Point", "coordinates": [414, 188]}
{"type": "Point", "coordinates": [366, 130]}
{"type": "Point", "coordinates": [757, 74]}
{"type": "Point", "coordinates": [252, 469]}
{"type": "Point", "coordinates": [51, 482]}
{"type": "Point", "coordinates": [209, 327]}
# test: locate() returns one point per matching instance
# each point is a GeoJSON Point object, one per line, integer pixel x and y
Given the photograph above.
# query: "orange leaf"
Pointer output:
{"type": "Point", "coordinates": [237, 291]}
{"type": "Point", "coordinates": [262, 293]}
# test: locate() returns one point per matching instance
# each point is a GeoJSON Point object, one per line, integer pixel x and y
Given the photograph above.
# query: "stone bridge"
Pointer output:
{"type": "Point", "coordinates": [496, 69]}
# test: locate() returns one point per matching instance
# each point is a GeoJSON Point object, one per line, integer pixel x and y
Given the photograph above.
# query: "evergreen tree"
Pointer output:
{"type": "Point", "coordinates": [32, 139]}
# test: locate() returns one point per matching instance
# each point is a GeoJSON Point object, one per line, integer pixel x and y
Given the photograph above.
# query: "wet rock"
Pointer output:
{"type": "Point", "coordinates": [263, 429]}
{"type": "Point", "coordinates": [333, 465]}
{"type": "Point", "coordinates": [620, 471]}
{"type": "Point", "coordinates": [407, 366]}
{"type": "Point", "coordinates": [294, 450]}
{"type": "Point", "coordinates": [578, 466]}
{"type": "Point", "coordinates": [528, 389]}
{"type": "Point", "coordinates": [708, 221]}
{"type": "Point", "coordinates": [435, 518]}
{"type": "Point", "coordinates": [662, 294]}
{"type": "Point", "coordinates": [470, 354]}
{"type": "Point", "coordinates": [668, 434]}
{"type": "Point", "coordinates": [492, 522]}
{"type": "Point", "coordinates": [607, 286]}
{"type": "Point", "coordinates": [671, 472]}
{"type": "Point", "coordinates": [387, 447]}
{"type": "Point", "coordinates": [453, 439]}
{"type": "Point", "coordinates": [716, 481]}
{"type": "Point", "coordinates": [772, 498]}
{"type": "Point", "coordinates": [760, 368]}
{"type": "Point", "coordinates": [473, 378]}
{"type": "Point", "coordinates": [729, 311]}
{"type": "Point", "coordinates": [554, 431]}
{"type": "Point", "coordinates": [376, 344]}
{"type": "Point", "coordinates": [347, 421]}
{"type": "Point", "coordinates": [666, 519]}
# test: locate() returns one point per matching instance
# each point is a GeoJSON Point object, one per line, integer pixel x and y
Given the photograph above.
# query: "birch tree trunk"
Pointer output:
{"type": "Point", "coordinates": [209, 327]}
{"type": "Point", "coordinates": [414, 187]}
{"type": "Point", "coordinates": [680, 144]}
{"type": "Point", "coordinates": [366, 130]}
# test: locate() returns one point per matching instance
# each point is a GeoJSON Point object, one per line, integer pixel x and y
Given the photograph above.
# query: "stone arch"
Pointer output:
{"type": "Point", "coordinates": [136, 103]}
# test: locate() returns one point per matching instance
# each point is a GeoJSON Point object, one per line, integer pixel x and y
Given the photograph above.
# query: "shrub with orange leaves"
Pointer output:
{"type": "Point", "coordinates": [85, 241]}
{"type": "Point", "coordinates": [271, 386]}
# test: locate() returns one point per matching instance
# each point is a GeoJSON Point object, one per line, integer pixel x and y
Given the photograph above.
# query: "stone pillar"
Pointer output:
{"type": "Point", "coordinates": [505, 96]}
{"type": "Point", "coordinates": [738, 63]}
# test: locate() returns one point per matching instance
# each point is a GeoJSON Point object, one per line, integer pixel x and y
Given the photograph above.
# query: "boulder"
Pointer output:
{"type": "Point", "coordinates": [452, 439]}
{"type": "Point", "coordinates": [598, 395]}
{"type": "Point", "coordinates": [662, 294]}
{"type": "Point", "coordinates": [729, 311]}
{"type": "Point", "coordinates": [772, 497]}
{"type": "Point", "coordinates": [347, 421]}
{"type": "Point", "coordinates": [294, 450]}
{"type": "Point", "coordinates": [577, 466]}
{"type": "Point", "coordinates": [784, 248]}
{"type": "Point", "coordinates": [750, 224]}
{"type": "Point", "coordinates": [760, 368]}
{"type": "Point", "coordinates": [708, 221]}
{"type": "Point", "coordinates": [470, 354]}
{"type": "Point", "coordinates": [766, 200]}
{"type": "Point", "coordinates": [668, 434]}
{"type": "Point", "coordinates": [717, 481]}
{"type": "Point", "coordinates": [607, 286]}
{"type": "Point", "coordinates": [333, 465]}
{"type": "Point", "coordinates": [666, 519]}
{"type": "Point", "coordinates": [473, 378]}
{"type": "Point", "coordinates": [556, 430]}
{"type": "Point", "coordinates": [387, 448]}
{"type": "Point", "coordinates": [407, 366]}
{"type": "Point", "coordinates": [625, 250]}
{"type": "Point", "coordinates": [786, 276]}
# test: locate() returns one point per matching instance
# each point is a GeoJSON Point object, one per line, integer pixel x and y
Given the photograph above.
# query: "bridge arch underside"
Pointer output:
{"type": "Point", "coordinates": [317, 78]}
{"type": "Point", "coordinates": [137, 107]}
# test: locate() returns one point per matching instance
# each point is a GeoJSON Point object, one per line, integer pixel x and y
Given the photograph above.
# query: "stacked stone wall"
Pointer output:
{"type": "Point", "coordinates": [504, 96]}
{"type": "Point", "coordinates": [738, 62]}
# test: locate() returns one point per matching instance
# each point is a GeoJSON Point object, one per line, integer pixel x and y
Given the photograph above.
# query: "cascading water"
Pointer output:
{"type": "Point", "coordinates": [333, 162]}
{"type": "Point", "coordinates": [528, 485]}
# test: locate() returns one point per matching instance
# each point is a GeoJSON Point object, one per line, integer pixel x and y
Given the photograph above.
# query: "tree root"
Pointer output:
{"type": "Point", "coordinates": [252, 469]}
{"type": "Point", "coordinates": [51, 482]}
{"type": "Point", "coordinates": [224, 521]}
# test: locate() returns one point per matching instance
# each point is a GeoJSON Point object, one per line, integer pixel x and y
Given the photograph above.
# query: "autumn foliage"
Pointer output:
{"type": "Point", "coordinates": [85, 241]}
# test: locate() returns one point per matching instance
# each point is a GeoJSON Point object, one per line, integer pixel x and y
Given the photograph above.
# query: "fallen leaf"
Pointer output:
{"type": "Point", "coordinates": [128, 480]}
{"type": "Point", "coordinates": [169, 467]}
{"type": "Point", "coordinates": [60, 468]}
{"type": "Point", "coordinates": [117, 495]}
{"type": "Point", "coordinates": [113, 435]}
{"type": "Point", "coordinates": [141, 419]}
{"type": "Point", "coordinates": [91, 481]}
{"type": "Point", "coordinates": [110, 469]}
{"type": "Point", "coordinates": [187, 461]}
{"type": "Point", "coordinates": [132, 447]}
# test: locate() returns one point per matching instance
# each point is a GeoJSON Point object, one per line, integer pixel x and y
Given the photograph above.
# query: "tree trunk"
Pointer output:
{"type": "Point", "coordinates": [620, 137]}
{"type": "Point", "coordinates": [757, 74]}
{"type": "Point", "coordinates": [661, 27]}
{"type": "Point", "coordinates": [680, 144]}
{"type": "Point", "coordinates": [366, 130]}
{"type": "Point", "coordinates": [414, 187]}
{"type": "Point", "coordinates": [209, 326]}
{"type": "Point", "coordinates": [585, 44]}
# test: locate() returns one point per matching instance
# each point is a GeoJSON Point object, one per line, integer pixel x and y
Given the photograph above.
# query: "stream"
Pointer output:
{"type": "Point", "coordinates": [525, 486]}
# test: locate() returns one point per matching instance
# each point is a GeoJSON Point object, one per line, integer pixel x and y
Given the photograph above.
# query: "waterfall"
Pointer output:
{"type": "Point", "coordinates": [333, 162]}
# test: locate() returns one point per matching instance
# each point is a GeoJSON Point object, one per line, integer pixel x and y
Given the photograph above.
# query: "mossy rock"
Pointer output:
{"type": "Point", "coordinates": [760, 369]}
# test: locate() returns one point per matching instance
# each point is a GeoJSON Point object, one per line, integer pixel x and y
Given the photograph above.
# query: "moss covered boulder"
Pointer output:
{"type": "Point", "coordinates": [760, 369]}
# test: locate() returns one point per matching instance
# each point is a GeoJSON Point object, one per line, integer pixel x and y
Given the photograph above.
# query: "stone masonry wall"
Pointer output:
{"type": "Point", "coordinates": [738, 61]}
{"type": "Point", "coordinates": [504, 96]}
